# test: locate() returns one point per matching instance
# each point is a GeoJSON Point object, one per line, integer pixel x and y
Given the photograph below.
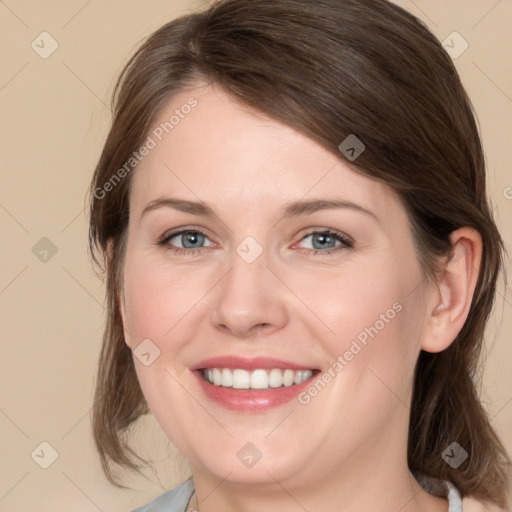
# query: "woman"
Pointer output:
{"type": "Point", "coordinates": [300, 262]}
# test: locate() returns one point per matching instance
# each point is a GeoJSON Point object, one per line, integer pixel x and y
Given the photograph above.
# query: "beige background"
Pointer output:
{"type": "Point", "coordinates": [54, 118]}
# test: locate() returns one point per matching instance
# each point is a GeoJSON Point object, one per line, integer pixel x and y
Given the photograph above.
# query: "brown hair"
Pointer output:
{"type": "Point", "coordinates": [329, 68]}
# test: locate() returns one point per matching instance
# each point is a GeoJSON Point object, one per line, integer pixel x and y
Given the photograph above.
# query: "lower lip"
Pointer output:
{"type": "Point", "coordinates": [251, 400]}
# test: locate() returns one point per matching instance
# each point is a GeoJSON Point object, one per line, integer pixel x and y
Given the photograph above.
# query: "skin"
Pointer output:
{"type": "Point", "coordinates": [346, 449]}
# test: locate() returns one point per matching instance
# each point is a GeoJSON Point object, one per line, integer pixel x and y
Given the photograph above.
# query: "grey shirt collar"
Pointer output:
{"type": "Point", "coordinates": [176, 499]}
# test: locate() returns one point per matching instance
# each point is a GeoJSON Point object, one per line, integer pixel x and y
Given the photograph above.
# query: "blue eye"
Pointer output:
{"type": "Point", "coordinates": [327, 242]}
{"type": "Point", "coordinates": [188, 241]}
{"type": "Point", "coordinates": [193, 242]}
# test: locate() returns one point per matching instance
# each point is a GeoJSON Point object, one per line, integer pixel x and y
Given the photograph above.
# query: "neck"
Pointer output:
{"type": "Point", "coordinates": [375, 477]}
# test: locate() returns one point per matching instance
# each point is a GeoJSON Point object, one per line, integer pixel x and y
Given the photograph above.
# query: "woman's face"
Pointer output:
{"type": "Point", "coordinates": [290, 261]}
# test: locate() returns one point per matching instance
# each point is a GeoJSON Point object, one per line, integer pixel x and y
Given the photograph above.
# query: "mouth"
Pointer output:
{"type": "Point", "coordinates": [252, 384]}
{"type": "Point", "coordinates": [238, 378]}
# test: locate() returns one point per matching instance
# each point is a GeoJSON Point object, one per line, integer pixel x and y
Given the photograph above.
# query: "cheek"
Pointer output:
{"type": "Point", "coordinates": [164, 305]}
{"type": "Point", "coordinates": [159, 297]}
{"type": "Point", "coordinates": [369, 316]}
{"type": "Point", "coordinates": [357, 303]}
{"type": "Point", "coordinates": [159, 302]}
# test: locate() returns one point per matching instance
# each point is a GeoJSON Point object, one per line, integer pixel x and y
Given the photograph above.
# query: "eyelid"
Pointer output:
{"type": "Point", "coordinates": [317, 230]}
{"type": "Point", "coordinates": [346, 241]}
{"type": "Point", "coordinates": [185, 229]}
{"type": "Point", "coordinates": [188, 231]}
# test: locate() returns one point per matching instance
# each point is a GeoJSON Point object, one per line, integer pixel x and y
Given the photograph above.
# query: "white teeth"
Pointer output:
{"type": "Point", "coordinates": [217, 377]}
{"type": "Point", "coordinates": [289, 378]}
{"type": "Point", "coordinates": [241, 379]}
{"type": "Point", "coordinates": [275, 378]}
{"type": "Point", "coordinates": [257, 379]}
{"type": "Point", "coordinates": [227, 378]}
{"type": "Point", "coordinates": [304, 375]}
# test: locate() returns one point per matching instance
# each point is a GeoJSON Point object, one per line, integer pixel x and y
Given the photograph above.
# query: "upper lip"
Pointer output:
{"type": "Point", "coordinates": [248, 363]}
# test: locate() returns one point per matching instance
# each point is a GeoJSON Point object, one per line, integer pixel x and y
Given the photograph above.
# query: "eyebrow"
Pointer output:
{"type": "Point", "coordinates": [291, 209]}
{"type": "Point", "coordinates": [302, 207]}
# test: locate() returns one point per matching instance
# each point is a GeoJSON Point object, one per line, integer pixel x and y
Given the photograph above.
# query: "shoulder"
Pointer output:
{"type": "Point", "coordinates": [472, 505]}
{"type": "Point", "coordinates": [174, 500]}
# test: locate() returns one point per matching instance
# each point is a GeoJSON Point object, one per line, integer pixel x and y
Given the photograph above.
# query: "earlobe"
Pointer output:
{"type": "Point", "coordinates": [450, 303]}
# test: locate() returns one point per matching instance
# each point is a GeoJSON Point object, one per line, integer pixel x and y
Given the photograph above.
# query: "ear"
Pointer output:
{"type": "Point", "coordinates": [450, 302]}
{"type": "Point", "coordinates": [109, 255]}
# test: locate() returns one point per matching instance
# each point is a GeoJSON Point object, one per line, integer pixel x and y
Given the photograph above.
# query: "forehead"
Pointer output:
{"type": "Point", "coordinates": [226, 153]}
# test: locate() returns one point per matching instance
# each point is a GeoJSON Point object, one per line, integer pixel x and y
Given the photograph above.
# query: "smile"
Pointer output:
{"type": "Point", "coordinates": [252, 384]}
{"type": "Point", "coordinates": [238, 378]}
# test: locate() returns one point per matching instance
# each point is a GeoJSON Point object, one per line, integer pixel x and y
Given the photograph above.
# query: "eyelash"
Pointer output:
{"type": "Point", "coordinates": [346, 243]}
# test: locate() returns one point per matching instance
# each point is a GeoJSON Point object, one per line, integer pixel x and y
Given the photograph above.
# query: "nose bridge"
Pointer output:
{"type": "Point", "coordinates": [249, 297]}
{"type": "Point", "coordinates": [248, 270]}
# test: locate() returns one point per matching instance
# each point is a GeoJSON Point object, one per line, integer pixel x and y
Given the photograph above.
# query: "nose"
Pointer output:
{"type": "Point", "coordinates": [250, 300]}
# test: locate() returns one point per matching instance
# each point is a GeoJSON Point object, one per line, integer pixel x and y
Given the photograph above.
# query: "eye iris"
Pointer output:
{"type": "Point", "coordinates": [324, 239]}
{"type": "Point", "coordinates": [192, 238]}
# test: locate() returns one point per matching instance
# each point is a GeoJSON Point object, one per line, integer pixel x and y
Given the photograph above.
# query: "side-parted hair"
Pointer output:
{"type": "Point", "coordinates": [328, 68]}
